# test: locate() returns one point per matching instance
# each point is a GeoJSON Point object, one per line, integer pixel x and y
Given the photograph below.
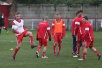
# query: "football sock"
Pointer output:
{"type": "Point", "coordinates": [84, 56]}
{"type": "Point", "coordinates": [54, 48]}
{"type": "Point", "coordinates": [97, 53]}
{"type": "Point", "coordinates": [78, 48]}
{"type": "Point", "coordinates": [31, 40]}
{"type": "Point", "coordinates": [59, 48]}
{"type": "Point", "coordinates": [43, 54]}
{"type": "Point", "coordinates": [15, 51]}
{"type": "Point", "coordinates": [6, 29]}
{"type": "Point", "coordinates": [39, 47]}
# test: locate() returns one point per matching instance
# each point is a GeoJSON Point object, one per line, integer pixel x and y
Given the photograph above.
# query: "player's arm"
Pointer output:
{"type": "Point", "coordinates": [86, 32]}
{"type": "Point", "coordinates": [53, 26]}
{"type": "Point", "coordinates": [77, 24]}
{"type": "Point", "coordinates": [63, 29]}
{"type": "Point", "coordinates": [24, 27]}
{"type": "Point", "coordinates": [91, 32]}
{"type": "Point", "coordinates": [14, 31]}
{"type": "Point", "coordinates": [49, 33]}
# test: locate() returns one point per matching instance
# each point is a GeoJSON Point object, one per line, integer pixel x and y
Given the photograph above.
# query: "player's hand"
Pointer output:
{"type": "Point", "coordinates": [49, 39]}
{"type": "Point", "coordinates": [37, 39]}
{"type": "Point", "coordinates": [74, 35]}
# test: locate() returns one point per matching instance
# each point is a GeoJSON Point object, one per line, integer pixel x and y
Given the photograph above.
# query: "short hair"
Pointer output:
{"type": "Point", "coordinates": [46, 18]}
{"type": "Point", "coordinates": [86, 18]}
{"type": "Point", "coordinates": [58, 13]}
{"type": "Point", "coordinates": [17, 13]}
{"type": "Point", "coordinates": [79, 12]}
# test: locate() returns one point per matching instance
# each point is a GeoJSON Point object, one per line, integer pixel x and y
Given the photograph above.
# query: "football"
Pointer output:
{"type": "Point", "coordinates": [14, 27]}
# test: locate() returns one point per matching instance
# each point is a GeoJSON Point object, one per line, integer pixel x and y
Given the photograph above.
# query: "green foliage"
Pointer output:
{"type": "Point", "coordinates": [94, 2]}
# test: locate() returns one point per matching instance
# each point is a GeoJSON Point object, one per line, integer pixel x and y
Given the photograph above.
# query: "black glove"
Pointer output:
{"type": "Point", "coordinates": [37, 39]}
{"type": "Point", "coordinates": [49, 39]}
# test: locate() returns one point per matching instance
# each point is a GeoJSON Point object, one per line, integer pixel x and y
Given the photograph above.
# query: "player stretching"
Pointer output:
{"type": "Point", "coordinates": [43, 32]}
{"type": "Point", "coordinates": [20, 32]}
{"type": "Point", "coordinates": [88, 38]}
{"type": "Point", "coordinates": [58, 32]}
{"type": "Point", "coordinates": [77, 31]}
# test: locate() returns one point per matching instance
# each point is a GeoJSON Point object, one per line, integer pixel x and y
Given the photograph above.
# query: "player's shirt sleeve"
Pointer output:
{"type": "Point", "coordinates": [48, 31]}
{"type": "Point", "coordinates": [77, 24]}
{"type": "Point", "coordinates": [24, 27]}
{"type": "Point", "coordinates": [37, 32]}
{"type": "Point", "coordinates": [53, 26]}
{"type": "Point", "coordinates": [63, 29]}
{"type": "Point", "coordinates": [14, 31]}
{"type": "Point", "coordinates": [91, 35]}
{"type": "Point", "coordinates": [86, 34]}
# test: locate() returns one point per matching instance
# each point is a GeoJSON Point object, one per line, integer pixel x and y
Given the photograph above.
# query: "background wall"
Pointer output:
{"type": "Point", "coordinates": [33, 13]}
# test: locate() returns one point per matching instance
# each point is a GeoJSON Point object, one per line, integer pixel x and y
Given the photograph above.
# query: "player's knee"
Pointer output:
{"type": "Point", "coordinates": [30, 33]}
{"type": "Point", "coordinates": [55, 43]}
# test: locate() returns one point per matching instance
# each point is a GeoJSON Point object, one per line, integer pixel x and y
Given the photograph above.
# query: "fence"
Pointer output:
{"type": "Point", "coordinates": [31, 24]}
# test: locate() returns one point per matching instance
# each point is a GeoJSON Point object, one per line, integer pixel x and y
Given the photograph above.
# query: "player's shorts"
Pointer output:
{"type": "Point", "coordinates": [43, 42]}
{"type": "Point", "coordinates": [58, 37]}
{"type": "Point", "coordinates": [89, 44]}
{"type": "Point", "coordinates": [19, 38]}
{"type": "Point", "coordinates": [78, 37]}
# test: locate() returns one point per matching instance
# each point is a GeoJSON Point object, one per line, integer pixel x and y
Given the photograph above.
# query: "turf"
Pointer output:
{"type": "Point", "coordinates": [26, 56]}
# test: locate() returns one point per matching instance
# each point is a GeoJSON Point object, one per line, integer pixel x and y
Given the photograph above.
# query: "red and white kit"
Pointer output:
{"type": "Point", "coordinates": [43, 32]}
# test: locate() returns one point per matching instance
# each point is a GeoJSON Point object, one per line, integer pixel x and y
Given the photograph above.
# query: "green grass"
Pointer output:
{"type": "Point", "coordinates": [26, 56]}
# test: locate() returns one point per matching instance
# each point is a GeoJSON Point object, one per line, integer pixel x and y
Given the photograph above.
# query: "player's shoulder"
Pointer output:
{"type": "Point", "coordinates": [54, 20]}
{"type": "Point", "coordinates": [89, 23]}
{"type": "Point", "coordinates": [22, 20]}
{"type": "Point", "coordinates": [62, 20]}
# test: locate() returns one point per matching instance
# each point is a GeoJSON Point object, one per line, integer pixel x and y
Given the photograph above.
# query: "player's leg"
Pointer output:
{"type": "Point", "coordinates": [28, 33]}
{"type": "Point", "coordinates": [59, 48]}
{"type": "Point", "coordinates": [5, 29]}
{"type": "Point", "coordinates": [39, 47]}
{"type": "Point", "coordinates": [95, 50]}
{"type": "Point", "coordinates": [55, 43]}
{"type": "Point", "coordinates": [0, 30]}
{"type": "Point", "coordinates": [45, 43]}
{"type": "Point", "coordinates": [84, 51]}
{"type": "Point", "coordinates": [19, 41]}
{"type": "Point", "coordinates": [40, 44]}
{"type": "Point", "coordinates": [78, 44]}
{"type": "Point", "coordinates": [59, 43]}
{"type": "Point", "coordinates": [74, 45]}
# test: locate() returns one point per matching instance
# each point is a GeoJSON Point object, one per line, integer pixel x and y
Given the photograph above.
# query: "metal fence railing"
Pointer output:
{"type": "Point", "coordinates": [31, 24]}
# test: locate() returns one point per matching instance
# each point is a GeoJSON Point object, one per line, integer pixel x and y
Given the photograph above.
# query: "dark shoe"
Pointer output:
{"type": "Point", "coordinates": [99, 57]}
{"type": "Point", "coordinates": [37, 54]}
{"type": "Point", "coordinates": [33, 46]}
{"type": "Point", "coordinates": [13, 57]}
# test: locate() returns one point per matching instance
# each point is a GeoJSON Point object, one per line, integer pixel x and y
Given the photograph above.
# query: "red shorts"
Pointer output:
{"type": "Point", "coordinates": [19, 38]}
{"type": "Point", "coordinates": [43, 42]}
{"type": "Point", "coordinates": [89, 44]}
{"type": "Point", "coordinates": [78, 37]}
{"type": "Point", "coordinates": [58, 37]}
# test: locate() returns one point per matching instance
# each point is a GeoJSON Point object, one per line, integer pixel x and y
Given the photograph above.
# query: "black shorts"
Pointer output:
{"type": "Point", "coordinates": [1, 22]}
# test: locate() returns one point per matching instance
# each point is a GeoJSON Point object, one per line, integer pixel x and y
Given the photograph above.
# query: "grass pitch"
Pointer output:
{"type": "Point", "coordinates": [26, 56]}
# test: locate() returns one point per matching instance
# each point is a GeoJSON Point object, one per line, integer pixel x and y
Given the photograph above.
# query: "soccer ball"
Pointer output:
{"type": "Point", "coordinates": [14, 27]}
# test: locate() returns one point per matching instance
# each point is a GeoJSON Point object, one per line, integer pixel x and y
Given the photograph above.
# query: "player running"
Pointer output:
{"type": "Point", "coordinates": [43, 33]}
{"type": "Point", "coordinates": [88, 38]}
{"type": "Point", "coordinates": [58, 32]}
{"type": "Point", "coordinates": [20, 32]}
